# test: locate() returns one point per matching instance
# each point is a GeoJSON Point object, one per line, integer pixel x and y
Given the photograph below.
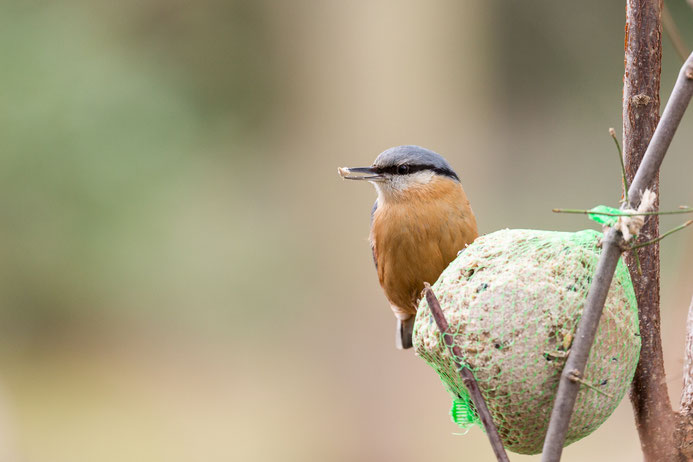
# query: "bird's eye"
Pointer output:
{"type": "Point", "coordinates": [403, 169]}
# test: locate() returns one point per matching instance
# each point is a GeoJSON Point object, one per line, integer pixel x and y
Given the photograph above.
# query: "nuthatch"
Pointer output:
{"type": "Point", "coordinates": [419, 222]}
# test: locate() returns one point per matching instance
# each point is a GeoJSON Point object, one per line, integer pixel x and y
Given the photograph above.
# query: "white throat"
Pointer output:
{"type": "Point", "coordinates": [397, 184]}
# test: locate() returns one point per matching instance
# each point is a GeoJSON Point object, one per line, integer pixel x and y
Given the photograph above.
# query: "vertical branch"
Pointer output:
{"type": "Point", "coordinates": [643, 61]}
{"type": "Point", "coordinates": [687, 392]}
{"type": "Point", "coordinates": [684, 428]}
{"type": "Point", "coordinates": [673, 33]}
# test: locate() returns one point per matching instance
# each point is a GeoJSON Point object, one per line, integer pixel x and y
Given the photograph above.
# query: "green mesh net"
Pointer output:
{"type": "Point", "coordinates": [513, 300]}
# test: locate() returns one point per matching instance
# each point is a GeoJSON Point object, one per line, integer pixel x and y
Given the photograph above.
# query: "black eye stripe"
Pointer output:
{"type": "Point", "coordinates": [393, 170]}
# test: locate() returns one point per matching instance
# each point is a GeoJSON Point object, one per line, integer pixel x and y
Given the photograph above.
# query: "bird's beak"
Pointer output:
{"type": "Point", "coordinates": [359, 173]}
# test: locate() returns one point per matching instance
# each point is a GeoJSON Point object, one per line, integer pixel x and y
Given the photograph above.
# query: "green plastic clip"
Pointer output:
{"type": "Point", "coordinates": [462, 413]}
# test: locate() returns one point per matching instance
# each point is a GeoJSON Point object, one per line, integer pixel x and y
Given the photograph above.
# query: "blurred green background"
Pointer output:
{"type": "Point", "coordinates": [184, 276]}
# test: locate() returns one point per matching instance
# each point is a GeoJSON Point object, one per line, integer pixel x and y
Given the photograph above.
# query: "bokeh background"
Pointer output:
{"type": "Point", "coordinates": [184, 276]}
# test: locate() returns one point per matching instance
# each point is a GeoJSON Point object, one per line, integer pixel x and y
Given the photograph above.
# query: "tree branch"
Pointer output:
{"type": "Point", "coordinates": [612, 245]}
{"type": "Point", "coordinates": [654, 417]}
{"type": "Point", "coordinates": [684, 427]}
{"type": "Point", "coordinates": [467, 376]}
{"type": "Point", "coordinates": [673, 33]}
{"type": "Point", "coordinates": [687, 392]}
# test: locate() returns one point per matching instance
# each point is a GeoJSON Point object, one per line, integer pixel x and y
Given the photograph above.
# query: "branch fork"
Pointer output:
{"type": "Point", "coordinates": [630, 226]}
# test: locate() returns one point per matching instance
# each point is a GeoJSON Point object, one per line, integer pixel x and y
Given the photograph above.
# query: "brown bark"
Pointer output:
{"type": "Point", "coordinates": [684, 427]}
{"type": "Point", "coordinates": [684, 436]}
{"type": "Point", "coordinates": [654, 417]}
{"type": "Point", "coordinates": [687, 391]}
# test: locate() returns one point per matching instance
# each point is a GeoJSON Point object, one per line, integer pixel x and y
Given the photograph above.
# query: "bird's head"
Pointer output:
{"type": "Point", "coordinates": [400, 170]}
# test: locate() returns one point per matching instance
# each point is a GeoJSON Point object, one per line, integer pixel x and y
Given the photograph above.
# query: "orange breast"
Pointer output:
{"type": "Point", "coordinates": [416, 236]}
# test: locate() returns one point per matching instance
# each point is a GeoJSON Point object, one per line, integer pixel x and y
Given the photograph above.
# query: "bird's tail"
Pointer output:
{"type": "Point", "coordinates": [405, 330]}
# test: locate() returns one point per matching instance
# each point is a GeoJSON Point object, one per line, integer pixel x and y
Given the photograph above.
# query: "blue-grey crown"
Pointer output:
{"type": "Point", "coordinates": [415, 158]}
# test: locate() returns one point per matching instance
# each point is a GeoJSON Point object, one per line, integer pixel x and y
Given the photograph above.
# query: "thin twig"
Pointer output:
{"type": "Point", "coordinates": [612, 244]}
{"type": "Point", "coordinates": [673, 33]}
{"type": "Point", "coordinates": [575, 377]}
{"type": "Point", "coordinates": [623, 213]}
{"type": "Point", "coordinates": [612, 132]}
{"type": "Point", "coordinates": [671, 231]}
{"type": "Point", "coordinates": [636, 257]}
{"type": "Point", "coordinates": [467, 376]}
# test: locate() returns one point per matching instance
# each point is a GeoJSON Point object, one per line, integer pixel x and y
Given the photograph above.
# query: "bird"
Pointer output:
{"type": "Point", "coordinates": [420, 221]}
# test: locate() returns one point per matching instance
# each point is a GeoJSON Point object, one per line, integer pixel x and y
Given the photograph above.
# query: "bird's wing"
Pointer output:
{"type": "Point", "coordinates": [375, 257]}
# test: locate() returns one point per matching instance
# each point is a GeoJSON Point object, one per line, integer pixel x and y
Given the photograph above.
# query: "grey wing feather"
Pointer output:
{"type": "Point", "coordinates": [375, 206]}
